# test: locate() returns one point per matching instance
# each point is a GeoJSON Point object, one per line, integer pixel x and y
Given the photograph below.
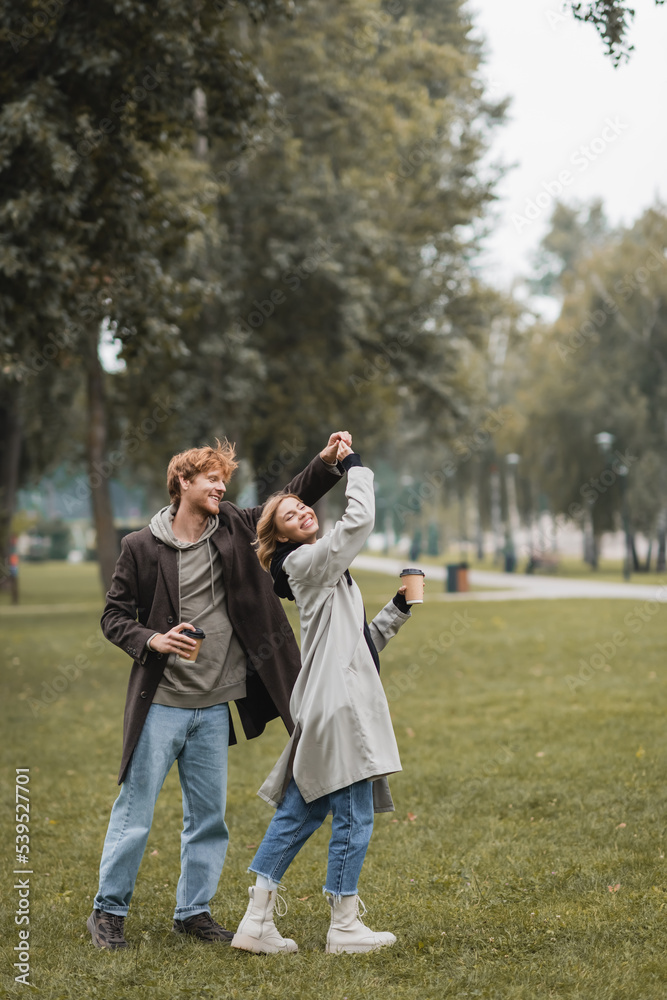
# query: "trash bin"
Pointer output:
{"type": "Point", "coordinates": [462, 578]}
{"type": "Point", "coordinates": [510, 562]}
{"type": "Point", "coordinates": [452, 578]}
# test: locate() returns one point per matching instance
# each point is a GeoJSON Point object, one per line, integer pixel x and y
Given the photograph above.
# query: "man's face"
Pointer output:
{"type": "Point", "coordinates": [295, 522]}
{"type": "Point", "coordinates": [203, 493]}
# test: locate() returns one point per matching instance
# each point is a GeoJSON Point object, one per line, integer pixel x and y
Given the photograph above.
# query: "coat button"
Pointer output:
{"type": "Point", "coordinates": [144, 694]}
{"type": "Point", "coordinates": [170, 620]}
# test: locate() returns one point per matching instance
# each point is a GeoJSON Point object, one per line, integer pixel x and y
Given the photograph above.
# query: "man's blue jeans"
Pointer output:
{"type": "Point", "coordinates": [198, 739]}
{"type": "Point", "coordinates": [295, 820]}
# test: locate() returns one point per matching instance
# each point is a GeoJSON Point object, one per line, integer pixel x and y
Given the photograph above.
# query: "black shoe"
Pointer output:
{"type": "Point", "coordinates": [204, 927]}
{"type": "Point", "coordinates": [107, 930]}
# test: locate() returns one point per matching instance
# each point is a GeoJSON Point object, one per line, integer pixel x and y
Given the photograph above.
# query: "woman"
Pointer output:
{"type": "Point", "coordinates": [343, 744]}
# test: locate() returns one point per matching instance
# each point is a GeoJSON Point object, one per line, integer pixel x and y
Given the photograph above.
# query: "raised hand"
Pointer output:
{"type": "Point", "coordinates": [329, 453]}
{"type": "Point", "coordinates": [343, 450]}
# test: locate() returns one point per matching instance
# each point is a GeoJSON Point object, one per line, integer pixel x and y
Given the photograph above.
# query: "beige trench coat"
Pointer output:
{"type": "Point", "coordinates": [343, 731]}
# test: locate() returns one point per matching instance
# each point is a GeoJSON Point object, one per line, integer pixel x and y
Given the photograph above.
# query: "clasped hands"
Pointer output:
{"type": "Point", "coordinates": [337, 448]}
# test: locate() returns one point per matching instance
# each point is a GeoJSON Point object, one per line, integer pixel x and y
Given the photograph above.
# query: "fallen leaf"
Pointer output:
{"type": "Point", "coordinates": [251, 847]}
{"type": "Point", "coordinates": [153, 853]}
{"type": "Point", "coordinates": [302, 899]}
{"type": "Point", "coordinates": [621, 826]}
{"type": "Point", "coordinates": [614, 888]}
{"type": "Point", "coordinates": [640, 752]}
{"type": "Point", "coordinates": [410, 732]}
{"type": "Point", "coordinates": [540, 753]}
{"type": "Point", "coordinates": [412, 817]}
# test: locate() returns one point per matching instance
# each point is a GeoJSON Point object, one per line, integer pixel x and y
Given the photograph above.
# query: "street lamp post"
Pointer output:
{"type": "Point", "coordinates": [627, 559]}
{"type": "Point", "coordinates": [604, 440]}
{"type": "Point", "coordinates": [513, 526]}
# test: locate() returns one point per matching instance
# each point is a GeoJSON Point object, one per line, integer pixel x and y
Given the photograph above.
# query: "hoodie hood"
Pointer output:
{"type": "Point", "coordinates": [161, 526]}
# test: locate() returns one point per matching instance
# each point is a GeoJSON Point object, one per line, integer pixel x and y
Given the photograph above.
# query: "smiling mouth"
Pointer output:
{"type": "Point", "coordinates": [308, 523]}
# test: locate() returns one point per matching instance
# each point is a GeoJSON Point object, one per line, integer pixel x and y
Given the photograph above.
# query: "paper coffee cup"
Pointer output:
{"type": "Point", "coordinates": [414, 581]}
{"type": "Point", "coordinates": [194, 633]}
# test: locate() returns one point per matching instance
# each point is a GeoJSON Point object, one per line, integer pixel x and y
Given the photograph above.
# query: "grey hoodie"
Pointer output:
{"type": "Point", "coordinates": [219, 672]}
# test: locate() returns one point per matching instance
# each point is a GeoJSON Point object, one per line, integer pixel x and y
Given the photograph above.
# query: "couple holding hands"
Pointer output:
{"type": "Point", "coordinates": [221, 568]}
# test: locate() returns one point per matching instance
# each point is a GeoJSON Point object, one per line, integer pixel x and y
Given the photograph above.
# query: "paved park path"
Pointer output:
{"type": "Point", "coordinates": [508, 587]}
{"type": "Point", "coordinates": [520, 586]}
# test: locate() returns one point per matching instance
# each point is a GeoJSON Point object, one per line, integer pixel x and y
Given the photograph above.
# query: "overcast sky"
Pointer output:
{"type": "Point", "coordinates": [566, 95]}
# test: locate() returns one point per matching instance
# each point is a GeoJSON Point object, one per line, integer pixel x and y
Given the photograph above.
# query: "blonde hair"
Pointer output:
{"type": "Point", "coordinates": [190, 463]}
{"type": "Point", "coordinates": [267, 532]}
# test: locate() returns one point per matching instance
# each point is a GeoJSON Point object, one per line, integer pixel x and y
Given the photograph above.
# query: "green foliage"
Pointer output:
{"type": "Point", "coordinates": [574, 232]}
{"type": "Point", "coordinates": [101, 102]}
{"type": "Point", "coordinates": [601, 367]}
{"type": "Point", "coordinates": [354, 212]}
{"type": "Point", "coordinates": [97, 109]}
{"type": "Point", "coordinates": [345, 150]}
{"type": "Point", "coordinates": [612, 20]}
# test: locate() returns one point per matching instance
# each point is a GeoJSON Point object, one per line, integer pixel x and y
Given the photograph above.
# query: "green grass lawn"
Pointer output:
{"type": "Point", "coordinates": [56, 583]}
{"type": "Point", "coordinates": [523, 799]}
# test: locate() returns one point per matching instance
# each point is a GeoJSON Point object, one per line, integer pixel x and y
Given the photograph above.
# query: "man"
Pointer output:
{"type": "Point", "coordinates": [193, 566]}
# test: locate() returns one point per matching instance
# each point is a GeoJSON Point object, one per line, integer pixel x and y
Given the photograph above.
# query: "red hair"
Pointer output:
{"type": "Point", "coordinates": [190, 463]}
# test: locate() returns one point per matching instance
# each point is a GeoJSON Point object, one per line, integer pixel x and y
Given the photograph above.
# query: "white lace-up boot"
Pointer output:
{"type": "Point", "coordinates": [257, 931]}
{"type": "Point", "coordinates": [347, 932]}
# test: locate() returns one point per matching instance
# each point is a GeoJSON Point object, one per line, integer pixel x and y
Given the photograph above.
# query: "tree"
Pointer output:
{"type": "Point", "coordinates": [356, 213]}
{"type": "Point", "coordinates": [602, 366]}
{"type": "Point", "coordinates": [611, 19]}
{"type": "Point", "coordinates": [574, 230]}
{"type": "Point", "coordinates": [93, 95]}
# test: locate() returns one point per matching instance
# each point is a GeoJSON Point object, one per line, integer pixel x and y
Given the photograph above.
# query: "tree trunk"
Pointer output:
{"type": "Point", "coordinates": [496, 514]}
{"type": "Point", "coordinates": [10, 454]}
{"type": "Point", "coordinates": [661, 563]}
{"type": "Point", "coordinates": [201, 122]}
{"type": "Point", "coordinates": [647, 567]}
{"type": "Point", "coordinates": [590, 547]}
{"type": "Point", "coordinates": [99, 469]}
{"type": "Point", "coordinates": [479, 526]}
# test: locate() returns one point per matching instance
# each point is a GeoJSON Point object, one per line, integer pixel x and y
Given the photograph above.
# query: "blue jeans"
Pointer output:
{"type": "Point", "coordinates": [295, 820]}
{"type": "Point", "coordinates": [198, 739]}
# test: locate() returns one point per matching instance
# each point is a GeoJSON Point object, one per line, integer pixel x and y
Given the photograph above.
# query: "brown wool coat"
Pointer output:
{"type": "Point", "coordinates": [143, 599]}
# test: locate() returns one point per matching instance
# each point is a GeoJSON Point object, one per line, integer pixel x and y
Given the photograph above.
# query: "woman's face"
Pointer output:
{"type": "Point", "coordinates": [295, 522]}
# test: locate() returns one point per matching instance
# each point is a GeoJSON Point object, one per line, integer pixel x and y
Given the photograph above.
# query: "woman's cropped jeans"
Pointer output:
{"type": "Point", "coordinates": [295, 820]}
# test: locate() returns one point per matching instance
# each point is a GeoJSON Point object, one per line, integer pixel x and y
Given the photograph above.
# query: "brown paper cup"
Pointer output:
{"type": "Point", "coordinates": [195, 652]}
{"type": "Point", "coordinates": [414, 582]}
{"type": "Point", "coordinates": [198, 635]}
